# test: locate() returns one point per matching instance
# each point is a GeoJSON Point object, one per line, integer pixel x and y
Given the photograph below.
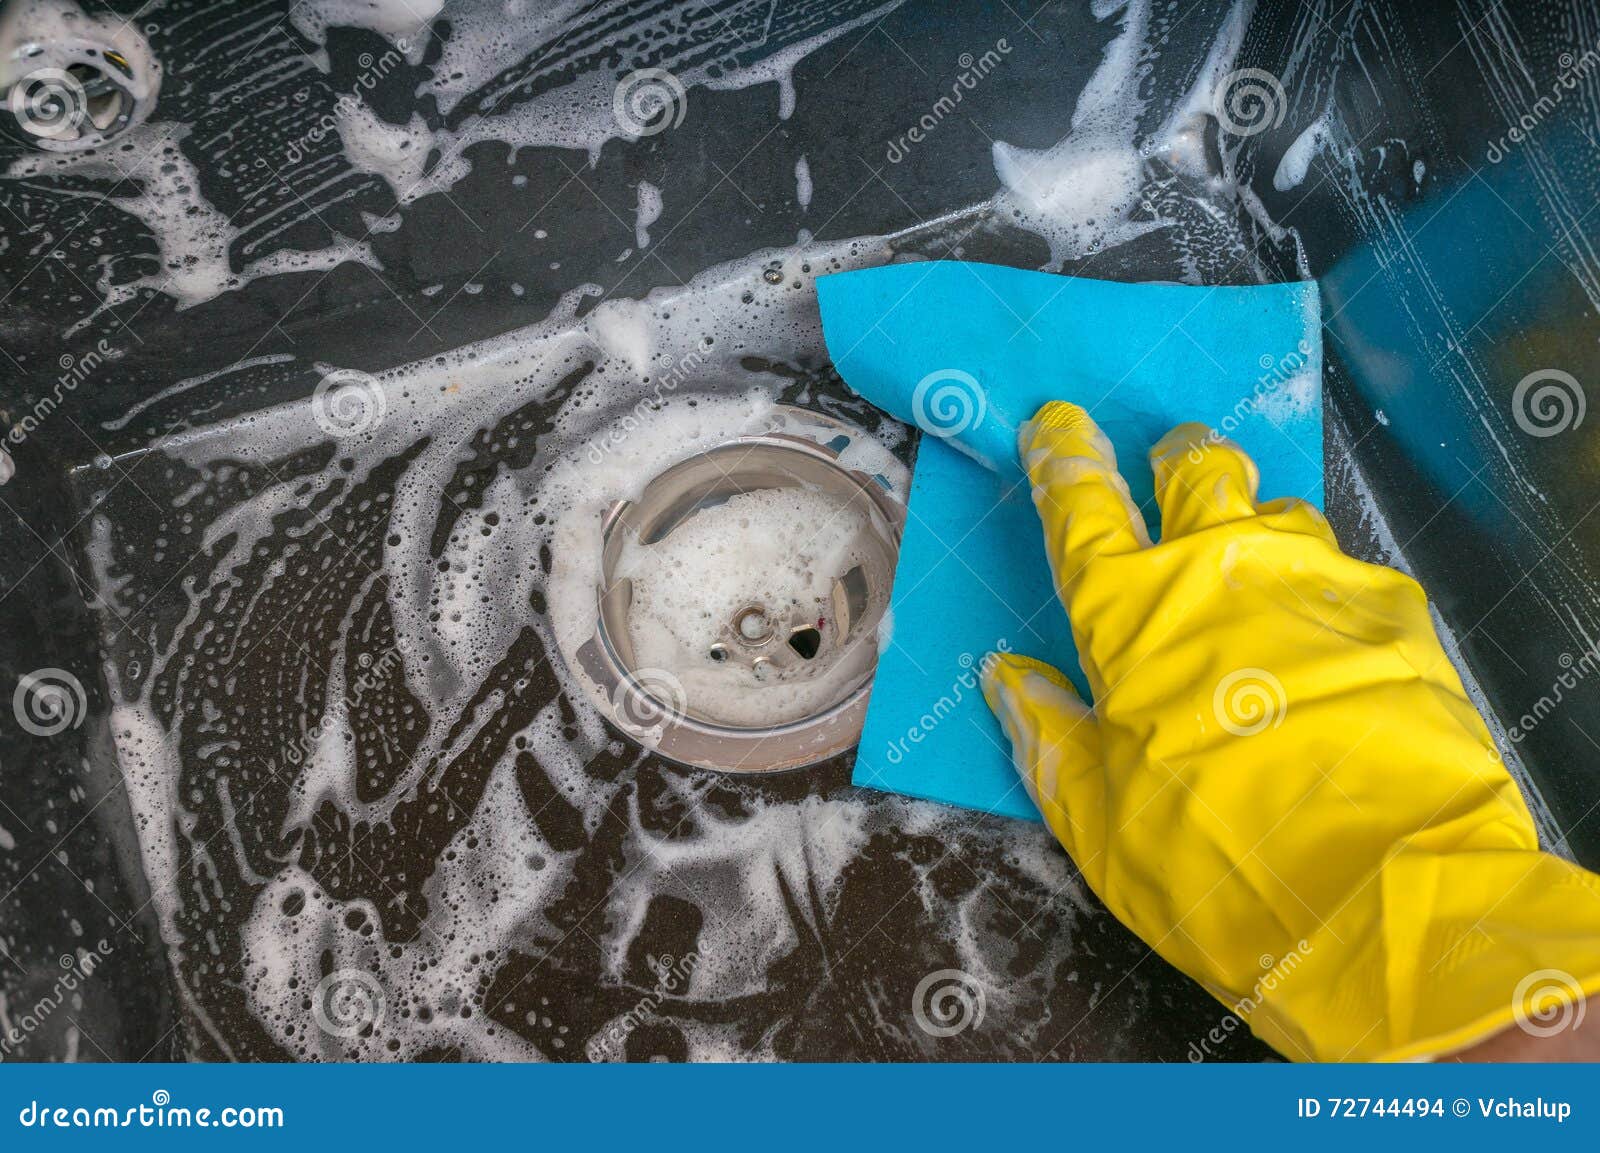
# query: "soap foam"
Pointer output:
{"type": "Point", "coordinates": [647, 211]}
{"type": "Point", "coordinates": [405, 20]}
{"type": "Point", "coordinates": [782, 549]}
{"type": "Point", "coordinates": [396, 152]}
{"type": "Point", "coordinates": [195, 239]}
{"type": "Point", "coordinates": [486, 37]}
{"type": "Point", "coordinates": [658, 380]}
{"type": "Point", "coordinates": [1080, 194]}
{"type": "Point", "coordinates": [455, 615]}
{"type": "Point", "coordinates": [1297, 158]}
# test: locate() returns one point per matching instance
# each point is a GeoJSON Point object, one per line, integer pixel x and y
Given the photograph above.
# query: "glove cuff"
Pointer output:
{"type": "Point", "coordinates": [1438, 952]}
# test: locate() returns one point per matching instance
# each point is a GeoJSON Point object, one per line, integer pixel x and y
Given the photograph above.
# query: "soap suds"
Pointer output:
{"type": "Point", "coordinates": [474, 502]}
{"type": "Point", "coordinates": [406, 20]}
{"type": "Point", "coordinates": [489, 38]}
{"type": "Point", "coordinates": [582, 113]}
{"type": "Point", "coordinates": [646, 212]}
{"type": "Point", "coordinates": [1080, 194]}
{"type": "Point", "coordinates": [189, 382]}
{"type": "Point", "coordinates": [1296, 162]}
{"type": "Point", "coordinates": [456, 616]}
{"type": "Point", "coordinates": [396, 152]}
{"type": "Point", "coordinates": [782, 549]}
{"type": "Point", "coordinates": [196, 240]}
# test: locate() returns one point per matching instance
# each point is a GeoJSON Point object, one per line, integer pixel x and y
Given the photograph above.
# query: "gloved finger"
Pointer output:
{"type": "Point", "coordinates": [1055, 744]}
{"type": "Point", "coordinates": [1082, 499]}
{"type": "Point", "coordinates": [1291, 514]}
{"type": "Point", "coordinates": [1201, 481]}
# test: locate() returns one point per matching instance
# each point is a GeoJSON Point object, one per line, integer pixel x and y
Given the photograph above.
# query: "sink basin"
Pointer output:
{"type": "Point", "coordinates": [320, 370]}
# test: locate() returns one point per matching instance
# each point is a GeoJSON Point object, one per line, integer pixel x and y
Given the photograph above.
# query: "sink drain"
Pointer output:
{"type": "Point", "coordinates": [740, 601]}
{"type": "Point", "coordinates": [72, 82]}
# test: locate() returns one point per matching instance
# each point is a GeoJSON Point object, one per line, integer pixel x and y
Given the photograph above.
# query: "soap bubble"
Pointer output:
{"type": "Point", "coordinates": [348, 1001]}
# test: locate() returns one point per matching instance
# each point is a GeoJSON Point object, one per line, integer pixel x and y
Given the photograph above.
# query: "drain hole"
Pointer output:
{"type": "Point", "coordinates": [753, 626]}
{"type": "Point", "coordinates": [739, 574]}
{"type": "Point", "coordinates": [102, 95]}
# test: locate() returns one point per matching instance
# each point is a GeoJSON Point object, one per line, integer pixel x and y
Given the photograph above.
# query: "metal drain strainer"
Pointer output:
{"type": "Point", "coordinates": [71, 81]}
{"type": "Point", "coordinates": [818, 650]}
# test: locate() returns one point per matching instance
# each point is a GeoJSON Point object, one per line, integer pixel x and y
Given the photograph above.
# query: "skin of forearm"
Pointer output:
{"type": "Point", "coordinates": [1581, 1042]}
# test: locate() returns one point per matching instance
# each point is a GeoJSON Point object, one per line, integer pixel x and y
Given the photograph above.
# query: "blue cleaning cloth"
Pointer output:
{"type": "Point", "coordinates": [968, 352]}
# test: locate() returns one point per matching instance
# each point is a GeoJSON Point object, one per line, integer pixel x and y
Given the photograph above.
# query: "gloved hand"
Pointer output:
{"type": "Point", "coordinates": [1282, 786]}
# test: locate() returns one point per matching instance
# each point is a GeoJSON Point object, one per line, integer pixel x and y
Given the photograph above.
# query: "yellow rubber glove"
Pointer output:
{"type": "Point", "coordinates": [1282, 786]}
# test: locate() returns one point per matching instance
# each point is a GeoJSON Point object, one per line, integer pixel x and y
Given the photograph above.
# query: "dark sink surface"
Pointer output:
{"type": "Point", "coordinates": [216, 573]}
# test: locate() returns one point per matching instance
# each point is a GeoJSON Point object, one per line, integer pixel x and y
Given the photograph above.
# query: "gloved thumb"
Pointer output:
{"type": "Point", "coordinates": [1055, 744]}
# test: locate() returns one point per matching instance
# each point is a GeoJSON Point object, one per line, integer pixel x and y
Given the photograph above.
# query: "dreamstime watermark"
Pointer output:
{"type": "Point", "coordinates": [49, 701]}
{"type": "Point", "coordinates": [74, 371]}
{"type": "Point", "coordinates": [619, 430]}
{"type": "Point", "coordinates": [76, 969]}
{"type": "Point", "coordinates": [374, 672]}
{"type": "Point", "coordinates": [348, 402]}
{"type": "Point", "coordinates": [947, 402]}
{"type": "Point", "coordinates": [1574, 70]}
{"type": "Point", "coordinates": [160, 1113]}
{"type": "Point", "coordinates": [672, 977]}
{"type": "Point", "coordinates": [1547, 1002]}
{"type": "Point", "coordinates": [49, 103]}
{"type": "Point", "coordinates": [1574, 671]}
{"type": "Point", "coordinates": [947, 1002]}
{"type": "Point", "coordinates": [967, 682]}
{"type": "Point", "coordinates": [1275, 970]}
{"type": "Point", "coordinates": [326, 126]}
{"type": "Point", "coordinates": [645, 701]}
{"type": "Point", "coordinates": [1547, 402]}
{"type": "Point", "coordinates": [1249, 701]}
{"type": "Point", "coordinates": [649, 102]}
{"type": "Point", "coordinates": [1249, 101]}
{"type": "Point", "coordinates": [1276, 373]}
{"type": "Point", "coordinates": [973, 69]}
{"type": "Point", "coordinates": [348, 1002]}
